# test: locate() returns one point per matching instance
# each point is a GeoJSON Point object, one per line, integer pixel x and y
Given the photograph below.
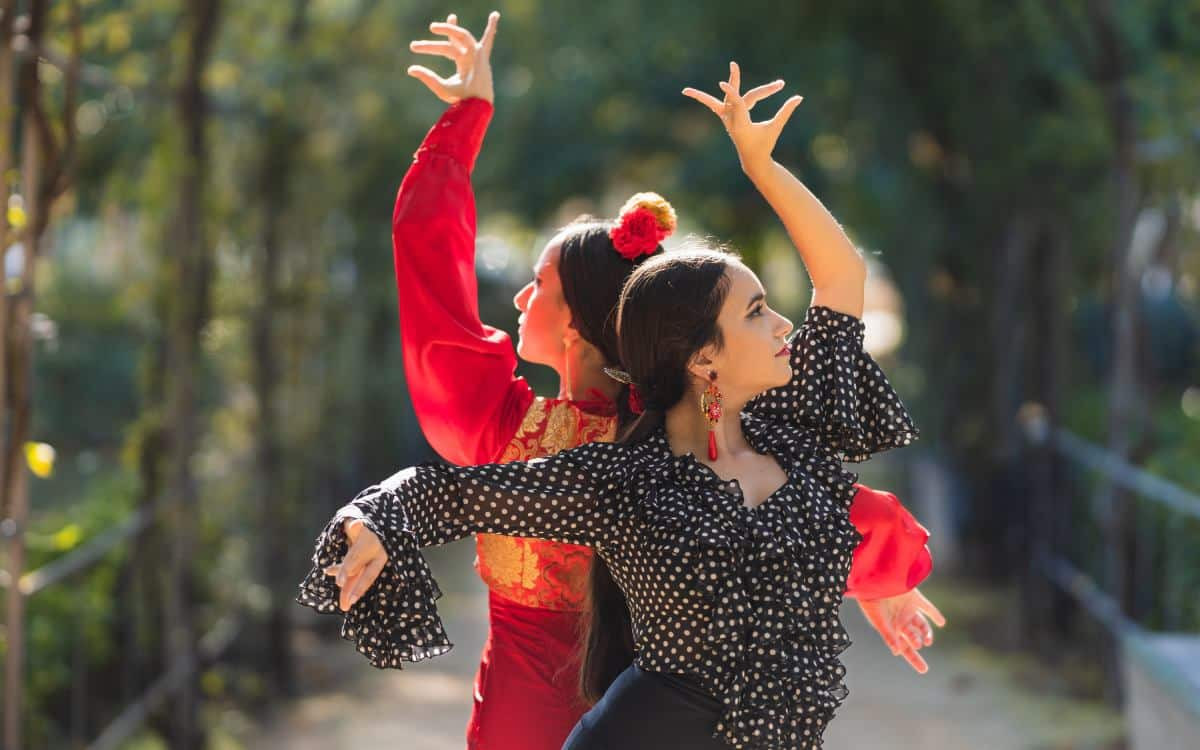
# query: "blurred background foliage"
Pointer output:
{"type": "Point", "coordinates": [975, 150]}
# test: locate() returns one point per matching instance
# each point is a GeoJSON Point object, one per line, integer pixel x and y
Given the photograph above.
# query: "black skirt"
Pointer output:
{"type": "Point", "coordinates": [649, 711]}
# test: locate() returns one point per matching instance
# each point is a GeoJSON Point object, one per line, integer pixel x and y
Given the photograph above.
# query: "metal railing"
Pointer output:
{"type": "Point", "coordinates": [135, 712]}
{"type": "Point", "coordinates": [1076, 452]}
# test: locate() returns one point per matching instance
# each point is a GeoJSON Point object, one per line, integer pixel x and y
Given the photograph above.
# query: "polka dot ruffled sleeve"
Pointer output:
{"type": "Point", "coordinates": [396, 620]}
{"type": "Point", "coordinates": [573, 497]}
{"type": "Point", "coordinates": [838, 390]}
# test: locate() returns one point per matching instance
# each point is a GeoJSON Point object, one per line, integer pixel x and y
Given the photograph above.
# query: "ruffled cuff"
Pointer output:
{"type": "Point", "coordinates": [396, 619]}
{"type": "Point", "coordinates": [843, 391]}
{"type": "Point", "coordinates": [892, 558]}
{"type": "Point", "coordinates": [459, 132]}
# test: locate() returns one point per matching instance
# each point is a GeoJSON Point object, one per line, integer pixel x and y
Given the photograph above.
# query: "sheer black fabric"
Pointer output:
{"type": "Point", "coordinates": [745, 600]}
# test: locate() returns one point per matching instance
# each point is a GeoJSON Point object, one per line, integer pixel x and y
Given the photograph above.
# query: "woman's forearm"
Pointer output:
{"type": "Point", "coordinates": [838, 272]}
{"type": "Point", "coordinates": [557, 498]}
{"type": "Point", "coordinates": [461, 373]}
{"type": "Point", "coordinates": [834, 264]}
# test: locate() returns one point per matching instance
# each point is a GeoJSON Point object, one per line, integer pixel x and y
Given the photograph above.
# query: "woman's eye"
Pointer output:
{"type": "Point", "coordinates": [756, 311]}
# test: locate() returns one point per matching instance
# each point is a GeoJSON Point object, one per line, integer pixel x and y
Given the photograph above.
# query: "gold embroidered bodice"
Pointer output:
{"type": "Point", "coordinates": [533, 572]}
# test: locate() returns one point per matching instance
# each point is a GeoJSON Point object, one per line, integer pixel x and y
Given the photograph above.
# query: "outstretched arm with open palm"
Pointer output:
{"type": "Point", "coordinates": [838, 274]}
{"type": "Point", "coordinates": [434, 227]}
{"type": "Point", "coordinates": [837, 270]}
{"type": "Point", "coordinates": [472, 60]}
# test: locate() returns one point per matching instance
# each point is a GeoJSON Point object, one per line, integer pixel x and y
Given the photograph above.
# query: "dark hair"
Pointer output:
{"type": "Point", "coordinates": [667, 311]}
{"type": "Point", "coordinates": [592, 273]}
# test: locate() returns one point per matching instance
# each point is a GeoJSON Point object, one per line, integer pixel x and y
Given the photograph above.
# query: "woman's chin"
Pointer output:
{"type": "Point", "coordinates": [530, 355]}
{"type": "Point", "coordinates": [785, 375]}
{"type": "Point", "coordinates": [522, 351]}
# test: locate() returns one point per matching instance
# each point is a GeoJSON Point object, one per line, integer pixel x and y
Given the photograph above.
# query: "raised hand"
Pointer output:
{"type": "Point", "coordinates": [754, 141]}
{"type": "Point", "coordinates": [361, 566]}
{"type": "Point", "coordinates": [472, 60]}
{"type": "Point", "coordinates": [903, 623]}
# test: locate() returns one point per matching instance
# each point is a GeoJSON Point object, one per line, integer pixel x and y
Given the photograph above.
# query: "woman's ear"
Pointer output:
{"type": "Point", "coordinates": [701, 364]}
{"type": "Point", "coordinates": [589, 352]}
{"type": "Point", "coordinates": [571, 336]}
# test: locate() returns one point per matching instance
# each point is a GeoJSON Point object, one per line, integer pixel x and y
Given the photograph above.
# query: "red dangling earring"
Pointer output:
{"type": "Point", "coordinates": [710, 405]}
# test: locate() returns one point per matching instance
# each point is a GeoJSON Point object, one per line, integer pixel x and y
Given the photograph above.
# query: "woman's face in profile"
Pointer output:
{"type": "Point", "coordinates": [545, 316]}
{"type": "Point", "coordinates": [755, 357]}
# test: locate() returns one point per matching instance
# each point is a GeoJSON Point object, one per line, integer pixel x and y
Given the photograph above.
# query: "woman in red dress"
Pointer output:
{"type": "Point", "coordinates": [473, 409]}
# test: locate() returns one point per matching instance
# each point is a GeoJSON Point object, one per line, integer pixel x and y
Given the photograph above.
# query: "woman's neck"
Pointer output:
{"type": "Point", "coordinates": [582, 373]}
{"type": "Point", "coordinates": [687, 430]}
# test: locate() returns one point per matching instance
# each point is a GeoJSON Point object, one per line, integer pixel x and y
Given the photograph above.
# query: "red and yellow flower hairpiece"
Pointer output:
{"type": "Point", "coordinates": [645, 221]}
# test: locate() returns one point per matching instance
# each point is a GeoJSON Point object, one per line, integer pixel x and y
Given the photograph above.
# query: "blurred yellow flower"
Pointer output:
{"type": "Point", "coordinates": [67, 537]}
{"type": "Point", "coordinates": [40, 457]}
{"type": "Point", "coordinates": [16, 215]}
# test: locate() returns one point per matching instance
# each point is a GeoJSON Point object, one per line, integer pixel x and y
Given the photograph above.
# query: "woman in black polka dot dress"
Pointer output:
{"type": "Point", "coordinates": [733, 566]}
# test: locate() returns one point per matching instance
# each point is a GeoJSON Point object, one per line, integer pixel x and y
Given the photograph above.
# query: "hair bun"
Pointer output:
{"type": "Point", "coordinates": [644, 222]}
{"type": "Point", "coordinates": [664, 213]}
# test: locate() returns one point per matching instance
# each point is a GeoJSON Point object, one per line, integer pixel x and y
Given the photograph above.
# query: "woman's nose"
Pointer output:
{"type": "Point", "coordinates": [785, 326]}
{"type": "Point", "coordinates": [521, 297]}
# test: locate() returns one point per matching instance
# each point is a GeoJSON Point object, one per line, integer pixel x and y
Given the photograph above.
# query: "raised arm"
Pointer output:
{"type": "Point", "coordinates": [460, 372]}
{"type": "Point", "coordinates": [837, 270]}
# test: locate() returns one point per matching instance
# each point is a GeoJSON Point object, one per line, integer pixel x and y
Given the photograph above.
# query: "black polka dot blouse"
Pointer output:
{"type": "Point", "coordinates": [744, 599]}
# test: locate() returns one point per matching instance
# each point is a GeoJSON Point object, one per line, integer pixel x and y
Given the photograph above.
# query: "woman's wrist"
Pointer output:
{"type": "Point", "coordinates": [488, 96]}
{"type": "Point", "coordinates": [757, 169]}
{"type": "Point", "coordinates": [481, 85]}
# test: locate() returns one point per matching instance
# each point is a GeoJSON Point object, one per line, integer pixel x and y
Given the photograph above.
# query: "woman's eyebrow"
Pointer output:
{"type": "Point", "coordinates": [756, 298]}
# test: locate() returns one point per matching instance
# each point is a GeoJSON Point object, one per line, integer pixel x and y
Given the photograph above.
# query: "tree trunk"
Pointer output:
{"type": "Point", "coordinates": [1124, 423]}
{"type": "Point", "coordinates": [1008, 335]}
{"type": "Point", "coordinates": [45, 167]}
{"type": "Point", "coordinates": [192, 259]}
{"type": "Point", "coordinates": [1113, 504]}
{"type": "Point", "coordinates": [281, 142]}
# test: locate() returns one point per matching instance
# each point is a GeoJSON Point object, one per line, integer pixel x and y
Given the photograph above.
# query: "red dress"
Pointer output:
{"type": "Point", "coordinates": [473, 410]}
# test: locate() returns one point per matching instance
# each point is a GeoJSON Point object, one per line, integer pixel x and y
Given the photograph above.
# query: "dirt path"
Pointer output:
{"type": "Point", "coordinates": [968, 699]}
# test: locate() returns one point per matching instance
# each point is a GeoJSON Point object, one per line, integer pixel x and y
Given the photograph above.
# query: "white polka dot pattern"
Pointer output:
{"type": "Point", "coordinates": [838, 389]}
{"type": "Point", "coordinates": [746, 599]}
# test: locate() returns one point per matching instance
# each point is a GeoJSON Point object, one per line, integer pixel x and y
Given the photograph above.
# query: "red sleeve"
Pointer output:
{"type": "Point", "coordinates": [892, 557]}
{"type": "Point", "coordinates": [461, 373]}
